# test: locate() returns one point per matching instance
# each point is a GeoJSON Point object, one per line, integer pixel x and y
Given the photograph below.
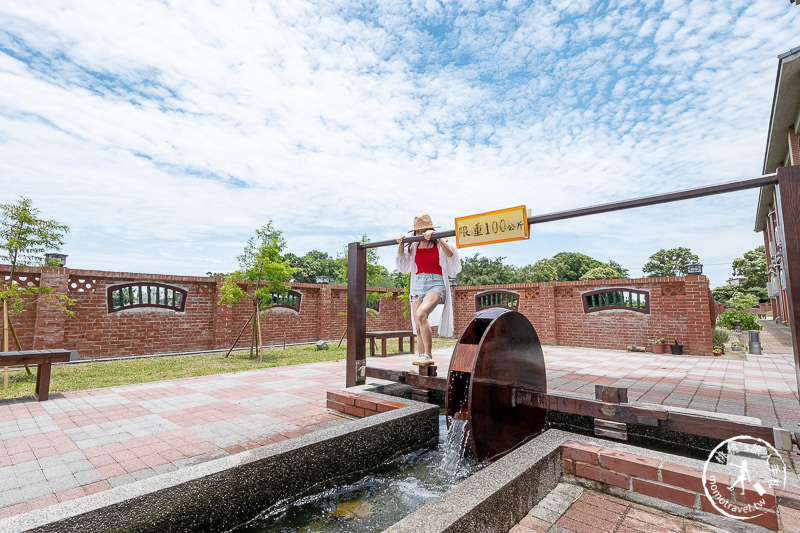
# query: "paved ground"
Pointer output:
{"type": "Point", "coordinates": [569, 508]}
{"type": "Point", "coordinates": [81, 443]}
{"type": "Point", "coordinates": [85, 442]}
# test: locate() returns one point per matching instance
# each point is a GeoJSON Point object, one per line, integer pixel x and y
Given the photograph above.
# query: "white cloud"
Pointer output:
{"type": "Point", "coordinates": [164, 134]}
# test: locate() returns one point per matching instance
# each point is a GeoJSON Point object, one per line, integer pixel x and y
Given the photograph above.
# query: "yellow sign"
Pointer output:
{"type": "Point", "coordinates": [495, 226]}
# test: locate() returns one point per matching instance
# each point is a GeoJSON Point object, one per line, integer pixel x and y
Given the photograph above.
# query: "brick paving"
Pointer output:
{"type": "Point", "coordinates": [80, 443]}
{"type": "Point", "coordinates": [569, 508]}
{"type": "Point", "coordinates": [84, 442]}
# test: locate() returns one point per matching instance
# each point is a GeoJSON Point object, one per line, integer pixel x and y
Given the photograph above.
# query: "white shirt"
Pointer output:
{"type": "Point", "coordinates": [451, 266]}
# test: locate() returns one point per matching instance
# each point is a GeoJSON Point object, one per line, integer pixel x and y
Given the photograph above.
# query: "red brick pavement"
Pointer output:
{"type": "Point", "coordinates": [89, 441]}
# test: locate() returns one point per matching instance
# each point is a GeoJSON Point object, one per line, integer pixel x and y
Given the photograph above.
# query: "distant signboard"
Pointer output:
{"type": "Point", "coordinates": [503, 225]}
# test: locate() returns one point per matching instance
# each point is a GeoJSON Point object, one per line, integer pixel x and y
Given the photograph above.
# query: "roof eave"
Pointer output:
{"type": "Point", "coordinates": [785, 103]}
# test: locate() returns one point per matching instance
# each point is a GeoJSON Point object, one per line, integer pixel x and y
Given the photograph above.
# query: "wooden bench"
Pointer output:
{"type": "Point", "coordinates": [43, 359]}
{"type": "Point", "coordinates": [383, 335]}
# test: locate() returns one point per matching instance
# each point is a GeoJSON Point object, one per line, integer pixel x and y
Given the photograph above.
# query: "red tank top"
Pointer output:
{"type": "Point", "coordinates": [427, 260]}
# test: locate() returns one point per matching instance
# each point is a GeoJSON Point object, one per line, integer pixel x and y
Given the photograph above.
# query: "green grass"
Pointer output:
{"type": "Point", "coordinates": [100, 374]}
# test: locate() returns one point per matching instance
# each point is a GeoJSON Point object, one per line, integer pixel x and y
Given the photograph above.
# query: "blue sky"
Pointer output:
{"type": "Point", "coordinates": [163, 133]}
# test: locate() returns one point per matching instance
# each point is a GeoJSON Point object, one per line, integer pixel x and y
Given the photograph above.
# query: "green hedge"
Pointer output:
{"type": "Point", "coordinates": [747, 321]}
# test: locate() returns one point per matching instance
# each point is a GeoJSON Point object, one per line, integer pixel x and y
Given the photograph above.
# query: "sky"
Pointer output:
{"type": "Point", "coordinates": [164, 133]}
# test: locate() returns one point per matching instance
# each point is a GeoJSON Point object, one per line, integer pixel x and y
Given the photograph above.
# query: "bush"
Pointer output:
{"type": "Point", "coordinates": [725, 293]}
{"type": "Point", "coordinates": [719, 336]}
{"type": "Point", "coordinates": [741, 301]}
{"type": "Point", "coordinates": [762, 295]}
{"type": "Point", "coordinates": [601, 273]}
{"type": "Point", "coordinates": [746, 321]}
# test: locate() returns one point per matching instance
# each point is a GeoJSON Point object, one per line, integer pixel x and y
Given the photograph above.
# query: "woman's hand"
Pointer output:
{"type": "Point", "coordinates": [428, 234]}
{"type": "Point", "coordinates": [400, 238]}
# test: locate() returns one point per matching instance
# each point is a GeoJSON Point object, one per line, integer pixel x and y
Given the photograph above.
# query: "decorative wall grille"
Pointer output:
{"type": "Point", "coordinates": [616, 298]}
{"type": "Point", "coordinates": [290, 300]}
{"type": "Point", "coordinates": [495, 298]}
{"type": "Point", "coordinates": [145, 294]}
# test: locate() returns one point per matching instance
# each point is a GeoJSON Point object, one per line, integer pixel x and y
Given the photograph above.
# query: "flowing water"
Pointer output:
{"type": "Point", "coordinates": [375, 501]}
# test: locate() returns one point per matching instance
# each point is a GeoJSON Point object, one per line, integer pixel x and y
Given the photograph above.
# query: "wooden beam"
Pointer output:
{"type": "Point", "coordinates": [707, 426]}
{"type": "Point", "coordinates": [429, 382]}
{"type": "Point", "coordinates": [34, 357]}
{"type": "Point", "coordinates": [656, 416]}
{"type": "Point", "coordinates": [356, 315]}
{"type": "Point", "coordinates": [788, 191]}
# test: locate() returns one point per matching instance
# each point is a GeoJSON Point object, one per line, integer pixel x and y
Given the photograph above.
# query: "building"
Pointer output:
{"type": "Point", "coordinates": [783, 150]}
{"type": "Point", "coordinates": [736, 281]}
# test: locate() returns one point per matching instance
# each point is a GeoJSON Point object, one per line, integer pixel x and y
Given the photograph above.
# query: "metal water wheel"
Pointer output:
{"type": "Point", "coordinates": [498, 351]}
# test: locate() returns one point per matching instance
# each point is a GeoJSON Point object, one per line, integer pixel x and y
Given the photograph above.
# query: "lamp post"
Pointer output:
{"type": "Point", "coordinates": [694, 269]}
{"type": "Point", "coordinates": [57, 259]}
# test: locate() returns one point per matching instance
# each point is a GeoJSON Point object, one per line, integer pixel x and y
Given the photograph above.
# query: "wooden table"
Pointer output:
{"type": "Point", "coordinates": [43, 359]}
{"type": "Point", "coordinates": [383, 335]}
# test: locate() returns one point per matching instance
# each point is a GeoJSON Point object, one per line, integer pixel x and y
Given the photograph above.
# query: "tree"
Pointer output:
{"type": "Point", "coordinates": [265, 271]}
{"type": "Point", "coordinates": [753, 266]}
{"type": "Point", "coordinates": [602, 272]}
{"type": "Point", "coordinates": [619, 268]}
{"type": "Point", "coordinates": [24, 238]}
{"type": "Point", "coordinates": [478, 270]}
{"type": "Point", "coordinates": [566, 266]}
{"type": "Point", "coordinates": [571, 266]}
{"type": "Point", "coordinates": [672, 262]}
{"type": "Point", "coordinates": [725, 292]}
{"type": "Point", "coordinates": [312, 265]}
{"type": "Point", "coordinates": [377, 274]}
{"type": "Point", "coordinates": [541, 271]}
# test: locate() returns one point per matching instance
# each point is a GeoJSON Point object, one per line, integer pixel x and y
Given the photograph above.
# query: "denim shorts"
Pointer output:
{"type": "Point", "coordinates": [425, 283]}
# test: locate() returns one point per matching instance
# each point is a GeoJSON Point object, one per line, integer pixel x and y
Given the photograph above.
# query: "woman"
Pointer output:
{"type": "Point", "coordinates": [430, 263]}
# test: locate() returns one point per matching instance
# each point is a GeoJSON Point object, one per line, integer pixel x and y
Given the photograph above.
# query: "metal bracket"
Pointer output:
{"type": "Point", "coordinates": [611, 429]}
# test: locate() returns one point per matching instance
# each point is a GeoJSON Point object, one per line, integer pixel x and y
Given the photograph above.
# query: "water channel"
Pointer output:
{"type": "Point", "coordinates": [375, 500]}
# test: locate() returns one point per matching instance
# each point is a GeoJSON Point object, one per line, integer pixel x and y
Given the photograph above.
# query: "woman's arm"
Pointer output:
{"type": "Point", "coordinates": [403, 259]}
{"type": "Point", "coordinates": [448, 251]}
{"type": "Point", "coordinates": [448, 258]}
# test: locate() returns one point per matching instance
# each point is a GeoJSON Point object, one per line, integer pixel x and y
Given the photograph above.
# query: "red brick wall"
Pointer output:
{"type": "Point", "coordinates": [794, 146]}
{"type": "Point", "coordinates": [203, 325]}
{"type": "Point", "coordinates": [680, 309]}
{"type": "Point", "coordinates": [663, 480]}
{"type": "Point", "coordinates": [359, 405]}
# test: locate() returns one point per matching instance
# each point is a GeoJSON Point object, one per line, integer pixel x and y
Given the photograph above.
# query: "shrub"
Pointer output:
{"type": "Point", "coordinates": [601, 273]}
{"type": "Point", "coordinates": [740, 301]}
{"type": "Point", "coordinates": [725, 293]}
{"type": "Point", "coordinates": [746, 321]}
{"type": "Point", "coordinates": [719, 336]}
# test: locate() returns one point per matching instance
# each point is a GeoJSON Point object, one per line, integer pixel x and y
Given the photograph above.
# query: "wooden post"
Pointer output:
{"type": "Point", "coordinates": [260, 348]}
{"type": "Point", "coordinates": [356, 315]}
{"type": "Point", "coordinates": [5, 342]}
{"type": "Point", "coordinates": [240, 335]}
{"type": "Point", "coordinates": [788, 191]}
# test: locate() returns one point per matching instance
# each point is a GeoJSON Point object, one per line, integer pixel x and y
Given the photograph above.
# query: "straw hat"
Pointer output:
{"type": "Point", "coordinates": [423, 222]}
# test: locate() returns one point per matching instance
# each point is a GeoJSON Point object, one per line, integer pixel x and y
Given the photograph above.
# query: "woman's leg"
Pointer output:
{"type": "Point", "coordinates": [421, 310]}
